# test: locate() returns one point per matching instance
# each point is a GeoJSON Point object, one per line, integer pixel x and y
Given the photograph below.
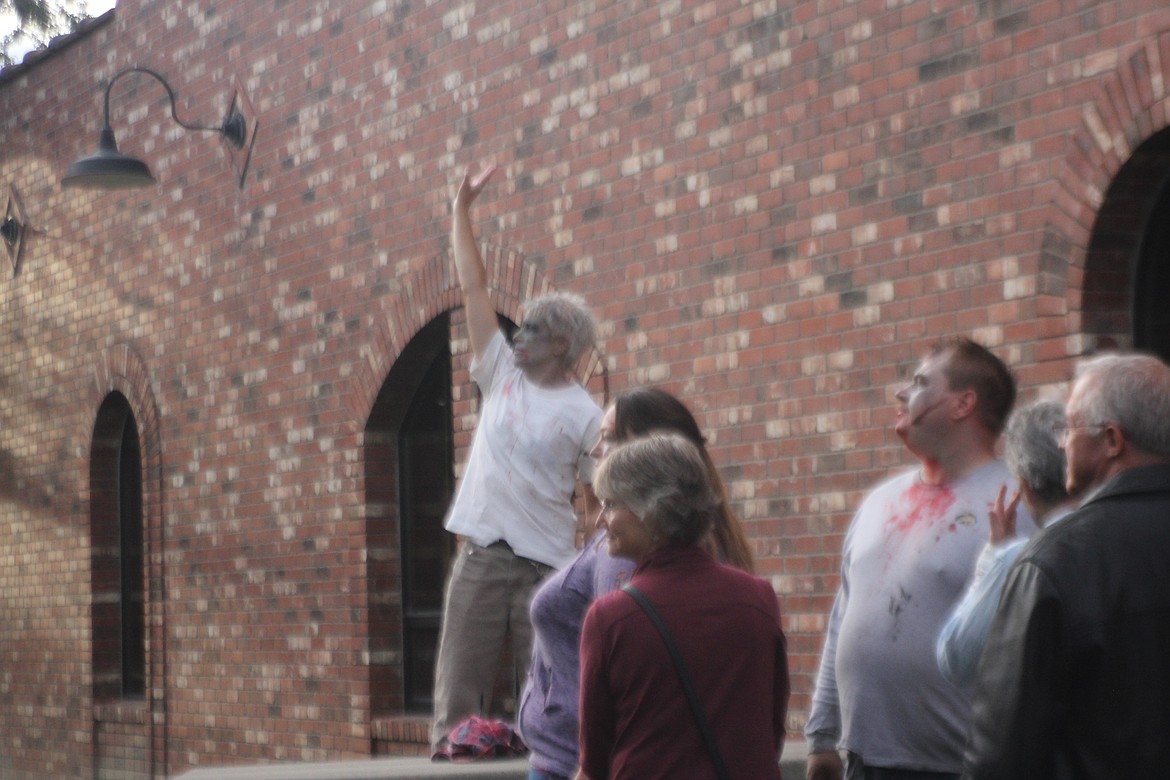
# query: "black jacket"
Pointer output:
{"type": "Point", "coordinates": [1075, 679]}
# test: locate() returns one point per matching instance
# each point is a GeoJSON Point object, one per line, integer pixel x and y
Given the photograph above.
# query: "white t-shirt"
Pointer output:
{"type": "Point", "coordinates": [531, 446]}
{"type": "Point", "coordinates": [907, 556]}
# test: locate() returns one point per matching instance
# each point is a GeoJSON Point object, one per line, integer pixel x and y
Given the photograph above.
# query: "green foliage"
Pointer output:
{"type": "Point", "coordinates": [36, 23]}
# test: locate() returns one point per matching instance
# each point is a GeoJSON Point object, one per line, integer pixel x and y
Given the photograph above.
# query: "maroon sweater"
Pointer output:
{"type": "Point", "coordinates": [635, 720]}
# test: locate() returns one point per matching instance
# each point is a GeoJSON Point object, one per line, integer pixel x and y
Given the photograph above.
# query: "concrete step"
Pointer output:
{"type": "Point", "coordinates": [791, 764]}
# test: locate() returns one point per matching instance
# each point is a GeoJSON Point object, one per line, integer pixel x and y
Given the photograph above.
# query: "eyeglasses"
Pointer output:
{"type": "Point", "coordinates": [1061, 429]}
{"type": "Point", "coordinates": [610, 507]}
{"type": "Point", "coordinates": [533, 328]}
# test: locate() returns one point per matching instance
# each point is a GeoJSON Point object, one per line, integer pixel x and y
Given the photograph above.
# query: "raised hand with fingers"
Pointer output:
{"type": "Point", "coordinates": [469, 188]}
{"type": "Point", "coordinates": [473, 277]}
{"type": "Point", "coordinates": [1002, 519]}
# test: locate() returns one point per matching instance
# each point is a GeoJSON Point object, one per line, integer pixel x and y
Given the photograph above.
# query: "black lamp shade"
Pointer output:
{"type": "Point", "coordinates": [107, 169]}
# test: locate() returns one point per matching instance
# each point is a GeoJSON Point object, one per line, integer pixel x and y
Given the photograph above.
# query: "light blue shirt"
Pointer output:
{"type": "Point", "coordinates": [960, 643]}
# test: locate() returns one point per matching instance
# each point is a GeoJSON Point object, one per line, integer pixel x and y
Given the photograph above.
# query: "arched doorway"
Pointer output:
{"type": "Point", "coordinates": [1127, 272]}
{"type": "Point", "coordinates": [409, 482]}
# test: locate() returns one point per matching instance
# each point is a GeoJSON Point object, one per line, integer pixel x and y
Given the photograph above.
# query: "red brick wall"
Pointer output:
{"type": "Point", "coordinates": [773, 207]}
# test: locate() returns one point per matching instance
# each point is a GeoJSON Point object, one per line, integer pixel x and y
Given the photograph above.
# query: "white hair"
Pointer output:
{"type": "Point", "coordinates": [1131, 391]}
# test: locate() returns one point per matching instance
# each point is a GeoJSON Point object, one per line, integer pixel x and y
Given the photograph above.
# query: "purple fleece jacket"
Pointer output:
{"type": "Point", "coordinates": [547, 719]}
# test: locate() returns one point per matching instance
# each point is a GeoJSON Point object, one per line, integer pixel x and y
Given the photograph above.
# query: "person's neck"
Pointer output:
{"type": "Point", "coordinates": [1131, 458]}
{"type": "Point", "coordinates": [948, 467]}
{"type": "Point", "coordinates": [1135, 458]}
{"type": "Point", "coordinates": [948, 455]}
{"type": "Point", "coordinates": [550, 376]}
{"type": "Point", "coordinates": [1043, 511]}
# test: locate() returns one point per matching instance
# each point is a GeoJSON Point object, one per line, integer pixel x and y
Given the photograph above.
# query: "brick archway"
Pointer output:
{"type": "Point", "coordinates": [121, 369]}
{"type": "Point", "coordinates": [1092, 244]}
{"type": "Point", "coordinates": [434, 289]}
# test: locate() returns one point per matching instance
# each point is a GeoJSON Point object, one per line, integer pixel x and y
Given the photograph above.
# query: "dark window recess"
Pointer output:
{"type": "Point", "coordinates": [409, 455]}
{"type": "Point", "coordinates": [426, 483]}
{"type": "Point", "coordinates": [117, 554]}
{"type": "Point", "coordinates": [1151, 314]}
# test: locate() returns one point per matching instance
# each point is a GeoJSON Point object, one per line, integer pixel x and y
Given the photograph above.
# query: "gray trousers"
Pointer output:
{"type": "Point", "coordinates": [488, 595]}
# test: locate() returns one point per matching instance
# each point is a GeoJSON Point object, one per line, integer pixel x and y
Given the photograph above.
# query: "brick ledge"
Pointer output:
{"type": "Point", "coordinates": [415, 729]}
{"type": "Point", "coordinates": [127, 711]}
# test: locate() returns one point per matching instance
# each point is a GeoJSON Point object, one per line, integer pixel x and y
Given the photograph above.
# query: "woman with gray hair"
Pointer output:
{"type": "Point", "coordinates": [547, 716]}
{"type": "Point", "coordinates": [1033, 454]}
{"type": "Point", "coordinates": [641, 706]}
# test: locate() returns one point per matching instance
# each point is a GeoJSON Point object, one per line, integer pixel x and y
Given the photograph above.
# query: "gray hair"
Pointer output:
{"type": "Point", "coordinates": [1032, 451]}
{"type": "Point", "coordinates": [663, 480]}
{"type": "Point", "coordinates": [568, 318]}
{"type": "Point", "coordinates": [1132, 391]}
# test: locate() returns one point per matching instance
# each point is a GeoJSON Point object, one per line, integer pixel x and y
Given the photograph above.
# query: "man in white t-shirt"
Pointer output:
{"type": "Point", "coordinates": [908, 553]}
{"type": "Point", "coordinates": [514, 507]}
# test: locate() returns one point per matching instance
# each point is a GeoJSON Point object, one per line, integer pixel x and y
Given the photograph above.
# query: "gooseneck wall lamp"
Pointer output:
{"type": "Point", "coordinates": [110, 169]}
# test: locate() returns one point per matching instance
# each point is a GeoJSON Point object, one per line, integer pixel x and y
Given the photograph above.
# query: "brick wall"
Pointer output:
{"type": "Point", "coordinates": [773, 207]}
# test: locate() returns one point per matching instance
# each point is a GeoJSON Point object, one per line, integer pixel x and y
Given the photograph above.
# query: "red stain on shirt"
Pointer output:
{"type": "Point", "coordinates": [920, 504]}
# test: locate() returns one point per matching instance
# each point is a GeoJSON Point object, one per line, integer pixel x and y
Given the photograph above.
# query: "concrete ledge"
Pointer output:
{"type": "Point", "coordinates": [792, 766]}
{"type": "Point", "coordinates": [371, 769]}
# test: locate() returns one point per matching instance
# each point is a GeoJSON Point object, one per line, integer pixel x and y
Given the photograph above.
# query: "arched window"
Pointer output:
{"type": "Point", "coordinates": [1127, 271]}
{"type": "Point", "coordinates": [116, 554]}
{"type": "Point", "coordinates": [425, 453]}
{"type": "Point", "coordinates": [1151, 316]}
{"type": "Point", "coordinates": [410, 480]}
{"type": "Point", "coordinates": [409, 455]}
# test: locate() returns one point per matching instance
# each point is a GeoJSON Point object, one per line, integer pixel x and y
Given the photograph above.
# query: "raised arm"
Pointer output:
{"type": "Point", "coordinates": [481, 317]}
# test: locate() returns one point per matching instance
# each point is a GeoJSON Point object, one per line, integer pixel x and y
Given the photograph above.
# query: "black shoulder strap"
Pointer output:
{"type": "Point", "coordinates": [684, 676]}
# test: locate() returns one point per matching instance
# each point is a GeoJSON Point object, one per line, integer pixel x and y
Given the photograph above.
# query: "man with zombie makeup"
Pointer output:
{"type": "Point", "coordinates": [907, 556]}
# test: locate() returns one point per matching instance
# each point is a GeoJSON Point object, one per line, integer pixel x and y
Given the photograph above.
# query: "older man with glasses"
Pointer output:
{"type": "Point", "coordinates": [1075, 678]}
